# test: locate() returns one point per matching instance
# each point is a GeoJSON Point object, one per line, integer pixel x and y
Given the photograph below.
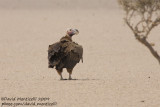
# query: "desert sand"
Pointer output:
{"type": "Point", "coordinates": [117, 70]}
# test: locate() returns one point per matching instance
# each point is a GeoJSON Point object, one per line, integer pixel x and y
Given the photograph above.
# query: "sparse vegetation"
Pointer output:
{"type": "Point", "coordinates": [141, 17]}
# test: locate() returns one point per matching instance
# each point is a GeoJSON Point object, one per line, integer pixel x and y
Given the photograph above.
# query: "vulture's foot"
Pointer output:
{"type": "Point", "coordinates": [60, 73]}
{"type": "Point", "coordinates": [61, 78]}
{"type": "Point", "coordinates": [70, 78]}
{"type": "Point", "coordinates": [70, 73]}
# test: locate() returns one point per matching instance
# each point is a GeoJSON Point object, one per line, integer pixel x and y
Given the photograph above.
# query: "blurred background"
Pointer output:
{"type": "Point", "coordinates": [117, 70]}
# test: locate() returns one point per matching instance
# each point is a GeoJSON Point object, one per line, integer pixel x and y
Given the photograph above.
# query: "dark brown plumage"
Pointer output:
{"type": "Point", "coordinates": [64, 54]}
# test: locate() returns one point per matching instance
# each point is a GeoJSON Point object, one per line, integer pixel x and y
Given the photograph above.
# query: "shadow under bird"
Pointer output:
{"type": "Point", "coordinates": [65, 53]}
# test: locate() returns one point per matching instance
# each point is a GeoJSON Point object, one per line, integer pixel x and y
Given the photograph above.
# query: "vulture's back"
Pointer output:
{"type": "Point", "coordinates": [64, 54]}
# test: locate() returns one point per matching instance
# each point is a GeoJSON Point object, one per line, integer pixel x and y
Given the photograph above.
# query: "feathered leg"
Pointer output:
{"type": "Point", "coordinates": [60, 73]}
{"type": "Point", "coordinates": [70, 73]}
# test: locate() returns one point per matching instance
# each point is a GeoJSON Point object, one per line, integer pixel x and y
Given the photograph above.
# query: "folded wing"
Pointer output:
{"type": "Point", "coordinates": [64, 54]}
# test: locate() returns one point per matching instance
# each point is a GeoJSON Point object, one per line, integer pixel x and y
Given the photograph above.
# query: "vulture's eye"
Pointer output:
{"type": "Point", "coordinates": [77, 30]}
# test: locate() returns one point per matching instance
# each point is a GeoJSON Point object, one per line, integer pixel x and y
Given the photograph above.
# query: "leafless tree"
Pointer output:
{"type": "Point", "coordinates": [142, 16]}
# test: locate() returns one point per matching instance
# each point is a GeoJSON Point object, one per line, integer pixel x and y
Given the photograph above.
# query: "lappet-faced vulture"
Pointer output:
{"type": "Point", "coordinates": [65, 53]}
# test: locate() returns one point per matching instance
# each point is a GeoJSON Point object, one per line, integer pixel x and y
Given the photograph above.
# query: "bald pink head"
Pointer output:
{"type": "Point", "coordinates": [72, 32]}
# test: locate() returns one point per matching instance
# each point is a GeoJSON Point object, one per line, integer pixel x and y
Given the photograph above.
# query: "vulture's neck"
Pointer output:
{"type": "Point", "coordinates": [69, 37]}
{"type": "Point", "coordinates": [66, 38]}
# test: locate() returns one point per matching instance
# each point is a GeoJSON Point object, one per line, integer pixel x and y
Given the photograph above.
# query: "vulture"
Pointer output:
{"type": "Point", "coordinates": [65, 54]}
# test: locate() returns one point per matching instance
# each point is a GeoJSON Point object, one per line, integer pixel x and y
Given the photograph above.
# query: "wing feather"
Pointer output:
{"type": "Point", "coordinates": [53, 54]}
{"type": "Point", "coordinates": [64, 55]}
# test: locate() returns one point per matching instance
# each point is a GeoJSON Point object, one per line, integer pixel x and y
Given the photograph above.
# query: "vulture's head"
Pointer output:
{"type": "Point", "coordinates": [72, 32]}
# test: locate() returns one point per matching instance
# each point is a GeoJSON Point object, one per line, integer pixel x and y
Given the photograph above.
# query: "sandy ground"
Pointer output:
{"type": "Point", "coordinates": [117, 70]}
